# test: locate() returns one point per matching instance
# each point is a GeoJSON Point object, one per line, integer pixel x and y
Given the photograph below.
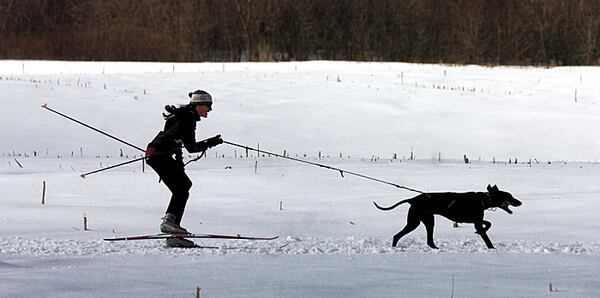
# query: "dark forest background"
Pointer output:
{"type": "Point", "coordinates": [489, 32]}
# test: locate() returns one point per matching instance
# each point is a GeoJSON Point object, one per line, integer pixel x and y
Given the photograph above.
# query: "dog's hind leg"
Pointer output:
{"type": "Point", "coordinates": [412, 222]}
{"type": "Point", "coordinates": [429, 223]}
{"type": "Point", "coordinates": [482, 231]}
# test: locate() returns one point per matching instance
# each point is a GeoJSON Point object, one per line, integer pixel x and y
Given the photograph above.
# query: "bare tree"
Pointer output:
{"type": "Point", "coordinates": [452, 31]}
{"type": "Point", "coordinates": [5, 13]}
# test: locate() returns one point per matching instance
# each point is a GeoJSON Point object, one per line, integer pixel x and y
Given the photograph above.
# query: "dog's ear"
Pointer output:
{"type": "Point", "coordinates": [489, 188]}
{"type": "Point", "coordinates": [495, 188]}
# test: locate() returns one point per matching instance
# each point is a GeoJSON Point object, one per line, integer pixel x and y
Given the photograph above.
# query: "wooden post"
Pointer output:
{"type": "Point", "coordinates": [44, 193]}
{"type": "Point", "coordinates": [452, 293]}
{"type": "Point", "coordinates": [197, 292]}
{"type": "Point", "coordinates": [85, 227]}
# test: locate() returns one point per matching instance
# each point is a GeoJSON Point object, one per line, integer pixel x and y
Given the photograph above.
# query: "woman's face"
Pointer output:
{"type": "Point", "coordinates": [203, 110]}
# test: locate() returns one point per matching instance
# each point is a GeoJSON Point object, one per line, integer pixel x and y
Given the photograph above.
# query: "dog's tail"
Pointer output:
{"type": "Point", "coordinates": [391, 207]}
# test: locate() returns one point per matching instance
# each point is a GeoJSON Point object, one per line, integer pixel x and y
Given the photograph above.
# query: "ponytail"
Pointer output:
{"type": "Point", "coordinates": [172, 110]}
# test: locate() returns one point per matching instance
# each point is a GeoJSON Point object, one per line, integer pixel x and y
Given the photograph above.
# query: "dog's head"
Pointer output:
{"type": "Point", "coordinates": [502, 199]}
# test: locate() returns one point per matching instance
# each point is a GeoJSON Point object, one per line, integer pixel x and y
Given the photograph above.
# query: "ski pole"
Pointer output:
{"type": "Point", "coordinates": [132, 161]}
{"type": "Point", "coordinates": [111, 167]}
{"type": "Point", "coordinates": [342, 171]}
{"type": "Point", "coordinates": [45, 106]}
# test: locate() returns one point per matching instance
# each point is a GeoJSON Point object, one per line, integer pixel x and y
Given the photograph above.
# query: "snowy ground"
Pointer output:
{"type": "Point", "coordinates": [333, 242]}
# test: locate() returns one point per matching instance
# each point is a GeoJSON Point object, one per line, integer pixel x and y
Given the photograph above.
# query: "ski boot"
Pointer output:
{"type": "Point", "coordinates": [170, 225]}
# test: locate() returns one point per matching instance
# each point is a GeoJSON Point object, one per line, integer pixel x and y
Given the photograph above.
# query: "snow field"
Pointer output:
{"type": "Point", "coordinates": [333, 242]}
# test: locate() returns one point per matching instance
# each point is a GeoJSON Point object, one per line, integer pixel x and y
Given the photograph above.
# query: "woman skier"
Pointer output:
{"type": "Point", "coordinates": [164, 155]}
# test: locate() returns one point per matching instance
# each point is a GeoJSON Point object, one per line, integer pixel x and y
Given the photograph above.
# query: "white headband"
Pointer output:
{"type": "Point", "coordinates": [204, 98]}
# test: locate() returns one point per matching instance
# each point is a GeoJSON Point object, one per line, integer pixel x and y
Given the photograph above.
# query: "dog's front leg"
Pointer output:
{"type": "Point", "coordinates": [482, 231]}
{"type": "Point", "coordinates": [486, 225]}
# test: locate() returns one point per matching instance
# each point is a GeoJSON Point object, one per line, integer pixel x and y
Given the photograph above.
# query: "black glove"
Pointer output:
{"type": "Point", "coordinates": [209, 143]}
{"type": "Point", "coordinates": [214, 141]}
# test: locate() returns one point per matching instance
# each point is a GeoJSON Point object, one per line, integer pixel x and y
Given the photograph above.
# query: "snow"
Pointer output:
{"type": "Point", "coordinates": [333, 242]}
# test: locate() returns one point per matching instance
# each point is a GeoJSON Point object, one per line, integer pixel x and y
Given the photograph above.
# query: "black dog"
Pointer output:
{"type": "Point", "coordinates": [459, 207]}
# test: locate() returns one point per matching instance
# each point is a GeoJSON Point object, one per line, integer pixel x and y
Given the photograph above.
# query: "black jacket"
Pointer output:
{"type": "Point", "coordinates": [180, 129]}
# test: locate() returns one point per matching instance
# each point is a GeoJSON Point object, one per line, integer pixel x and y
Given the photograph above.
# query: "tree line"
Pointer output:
{"type": "Point", "coordinates": [488, 32]}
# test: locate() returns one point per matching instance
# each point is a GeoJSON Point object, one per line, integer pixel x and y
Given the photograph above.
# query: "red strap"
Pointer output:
{"type": "Point", "coordinates": [150, 151]}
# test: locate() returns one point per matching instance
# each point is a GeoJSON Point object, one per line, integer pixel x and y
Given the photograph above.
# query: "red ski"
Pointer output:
{"type": "Point", "coordinates": [203, 236]}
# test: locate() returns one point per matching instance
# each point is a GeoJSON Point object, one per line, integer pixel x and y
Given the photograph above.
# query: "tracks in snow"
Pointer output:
{"type": "Point", "coordinates": [287, 246]}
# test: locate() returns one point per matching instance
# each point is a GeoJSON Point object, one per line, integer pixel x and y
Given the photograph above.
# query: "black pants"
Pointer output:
{"type": "Point", "coordinates": [171, 172]}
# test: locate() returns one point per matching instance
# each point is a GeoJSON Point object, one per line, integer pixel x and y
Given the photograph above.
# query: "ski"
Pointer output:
{"type": "Point", "coordinates": [202, 236]}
